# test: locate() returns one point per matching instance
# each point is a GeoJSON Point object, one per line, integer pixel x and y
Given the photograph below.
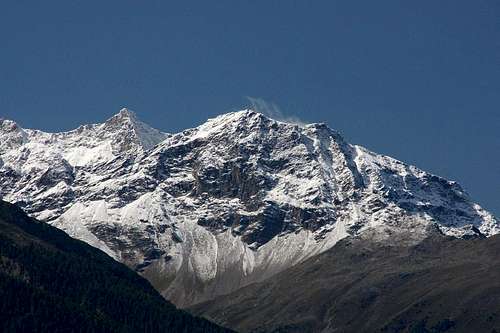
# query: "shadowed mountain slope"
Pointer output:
{"type": "Point", "coordinates": [50, 282]}
{"type": "Point", "coordinates": [440, 285]}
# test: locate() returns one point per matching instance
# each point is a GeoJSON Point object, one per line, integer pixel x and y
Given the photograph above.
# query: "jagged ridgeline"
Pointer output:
{"type": "Point", "coordinates": [50, 282]}
{"type": "Point", "coordinates": [234, 201]}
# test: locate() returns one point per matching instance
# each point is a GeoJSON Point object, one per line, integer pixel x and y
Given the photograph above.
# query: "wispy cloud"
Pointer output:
{"type": "Point", "coordinates": [273, 111]}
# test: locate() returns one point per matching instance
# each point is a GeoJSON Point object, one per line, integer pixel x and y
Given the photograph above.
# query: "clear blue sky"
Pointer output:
{"type": "Point", "coordinates": [417, 80]}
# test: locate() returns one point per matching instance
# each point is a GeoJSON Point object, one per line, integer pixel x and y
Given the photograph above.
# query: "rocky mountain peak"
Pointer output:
{"type": "Point", "coordinates": [128, 132]}
{"type": "Point", "coordinates": [252, 123]}
{"type": "Point", "coordinates": [123, 116]}
{"type": "Point", "coordinates": [123, 120]}
{"type": "Point", "coordinates": [7, 125]}
{"type": "Point", "coordinates": [246, 129]}
{"type": "Point", "coordinates": [236, 120]}
{"type": "Point", "coordinates": [12, 135]}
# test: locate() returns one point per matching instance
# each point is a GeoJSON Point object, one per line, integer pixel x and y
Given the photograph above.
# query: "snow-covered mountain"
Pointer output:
{"type": "Point", "coordinates": [203, 212]}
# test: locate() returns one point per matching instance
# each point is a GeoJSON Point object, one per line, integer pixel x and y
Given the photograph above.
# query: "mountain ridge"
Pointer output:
{"type": "Point", "coordinates": [231, 202]}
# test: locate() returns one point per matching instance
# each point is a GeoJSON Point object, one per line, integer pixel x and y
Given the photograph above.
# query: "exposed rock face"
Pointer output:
{"type": "Point", "coordinates": [233, 201]}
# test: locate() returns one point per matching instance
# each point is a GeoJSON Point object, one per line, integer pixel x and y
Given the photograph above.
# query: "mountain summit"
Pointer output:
{"type": "Point", "coordinates": [127, 130]}
{"type": "Point", "coordinates": [203, 212]}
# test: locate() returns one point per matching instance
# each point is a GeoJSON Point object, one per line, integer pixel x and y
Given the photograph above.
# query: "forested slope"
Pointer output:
{"type": "Point", "coordinates": [50, 282]}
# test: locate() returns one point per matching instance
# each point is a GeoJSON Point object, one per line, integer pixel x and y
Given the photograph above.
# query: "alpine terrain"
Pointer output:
{"type": "Point", "coordinates": [232, 202]}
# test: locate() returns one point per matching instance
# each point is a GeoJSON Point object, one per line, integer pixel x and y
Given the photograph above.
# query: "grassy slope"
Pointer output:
{"type": "Point", "coordinates": [441, 285]}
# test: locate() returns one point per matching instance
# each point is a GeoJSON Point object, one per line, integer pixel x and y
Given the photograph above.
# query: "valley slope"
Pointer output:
{"type": "Point", "coordinates": [443, 284]}
{"type": "Point", "coordinates": [50, 282]}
